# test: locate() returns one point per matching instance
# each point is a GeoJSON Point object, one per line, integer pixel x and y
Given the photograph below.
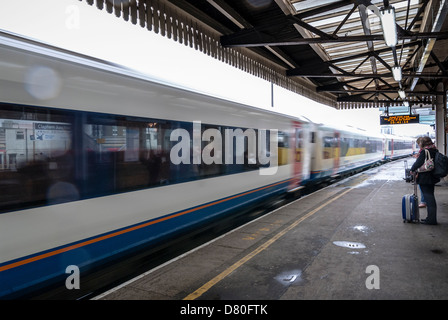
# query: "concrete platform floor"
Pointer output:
{"type": "Point", "coordinates": [295, 252]}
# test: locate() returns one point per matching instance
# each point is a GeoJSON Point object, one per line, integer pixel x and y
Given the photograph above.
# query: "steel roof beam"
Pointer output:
{"type": "Point", "coordinates": [310, 74]}
{"type": "Point", "coordinates": [439, 64]}
{"type": "Point", "coordinates": [256, 38]}
{"type": "Point", "coordinates": [408, 92]}
{"type": "Point", "coordinates": [355, 6]}
{"type": "Point", "coordinates": [295, 20]}
{"type": "Point", "coordinates": [435, 24]}
{"type": "Point", "coordinates": [366, 27]}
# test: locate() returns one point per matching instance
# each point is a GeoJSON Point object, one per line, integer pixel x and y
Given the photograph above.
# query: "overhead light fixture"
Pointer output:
{"type": "Point", "coordinates": [402, 94]}
{"type": "Point", "coordinates": [396, 72]}
{"type": "Point", "coordinates": [387, 16]}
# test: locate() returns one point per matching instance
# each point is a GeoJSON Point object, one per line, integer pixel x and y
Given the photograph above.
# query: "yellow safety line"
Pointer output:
{"type": "Point", "coordinates": [199, 292]}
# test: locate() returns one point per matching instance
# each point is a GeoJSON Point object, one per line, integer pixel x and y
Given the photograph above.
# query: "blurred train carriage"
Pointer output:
{"type": "Point", "coordinates": [397, 146]}
{"type": "Point", "coordinates": [86, 174]}
{"type": "Point", "coordinates": [341, 150]}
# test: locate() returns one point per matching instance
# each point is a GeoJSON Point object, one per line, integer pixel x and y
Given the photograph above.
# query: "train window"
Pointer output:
{"type": "Point", "coordinates": [283, 147]}
{"type": "Point", "coordinates": [344, 146]}
{"type": "Point", "coordinates": [373, 146]}
{"type": "Point", "coordinates": [36, 159]}
{"type": "Point", "coordinates": [126, 154]}
{"type": "Point", "coordinates": [299, 145]}
{"type": "Point", "coordinates": [239, 153]}
{"type": "Point", "coordinates": [212, 152]}
{"type": "Point", "coordinates": [362, 145]}
{"type": "Point", "coordinates": [328, 142]}
{"type": "Point", "coordinates": [283, 140]}
{"type": "Point", "coordinates": [299, 138]}
{"type": "Point", "coordinates": [49, 156]}
{"type": "Point", "coordinates": [328, 145]}
{"type": "Point", "coordinates": [123, 154]}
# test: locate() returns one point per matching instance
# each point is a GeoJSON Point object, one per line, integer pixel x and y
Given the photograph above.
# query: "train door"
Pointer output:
{"type": "Point", "coordinates": [297, 154]}
{"type": "Point", "coordinates": [384, 148]}
{"type": "Point", "coordinates": [391, 148]}
{"type": "Point", "coordinates": [336, 151]}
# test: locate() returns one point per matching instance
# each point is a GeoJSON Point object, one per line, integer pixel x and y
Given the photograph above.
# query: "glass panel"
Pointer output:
{"type": "Point", "coordinates": [36, 158]}
{"type": "Point", "coordinates": [125, 154]}
{"type": "Point", "coordinates": [49, 156]}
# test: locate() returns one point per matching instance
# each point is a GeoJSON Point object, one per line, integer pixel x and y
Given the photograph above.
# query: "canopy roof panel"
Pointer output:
{"type": "Point", "coordinates": [332, 51]}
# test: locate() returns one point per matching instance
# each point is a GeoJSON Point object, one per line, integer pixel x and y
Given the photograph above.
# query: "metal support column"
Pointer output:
{"type": "Point", "coordinates": [440, 119]}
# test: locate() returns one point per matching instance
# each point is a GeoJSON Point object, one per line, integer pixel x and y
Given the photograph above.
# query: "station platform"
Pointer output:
{"type": "Point", "coordinates": [346, 241]}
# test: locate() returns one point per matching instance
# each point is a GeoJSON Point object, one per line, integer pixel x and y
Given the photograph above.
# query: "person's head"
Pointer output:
{"type": "Point", "coordinates": [419, 141]}
{"type": "Point", "coordinates": [425, 141]}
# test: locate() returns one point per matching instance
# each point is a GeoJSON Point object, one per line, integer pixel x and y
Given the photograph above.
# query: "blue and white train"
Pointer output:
{"type": "Point", "coordinates": [86, 175]}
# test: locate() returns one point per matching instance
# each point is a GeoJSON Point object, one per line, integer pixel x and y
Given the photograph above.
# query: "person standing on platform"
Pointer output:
{"type": "Point", "coordinates": [426, 180]}
{"type": "Point", "coordinates": [422, 198]}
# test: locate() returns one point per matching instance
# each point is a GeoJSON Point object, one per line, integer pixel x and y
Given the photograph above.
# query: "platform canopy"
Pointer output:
{"type": "Point", "coordinates": [333, 51]}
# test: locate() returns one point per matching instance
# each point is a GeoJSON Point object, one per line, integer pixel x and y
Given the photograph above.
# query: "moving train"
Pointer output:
{"type": "Point", "coordinates": [98, 162]}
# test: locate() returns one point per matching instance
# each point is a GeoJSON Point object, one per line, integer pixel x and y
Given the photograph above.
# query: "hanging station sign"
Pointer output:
{"type": "Point", "coordinates": [401, 119]}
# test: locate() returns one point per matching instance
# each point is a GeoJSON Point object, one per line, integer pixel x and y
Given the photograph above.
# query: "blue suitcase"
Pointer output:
{"type": "Point", "coordinates": [409, 206]}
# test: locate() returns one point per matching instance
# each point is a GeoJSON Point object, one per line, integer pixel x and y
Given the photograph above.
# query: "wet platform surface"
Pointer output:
{"type": "Point", "coordinates": [347, 241]}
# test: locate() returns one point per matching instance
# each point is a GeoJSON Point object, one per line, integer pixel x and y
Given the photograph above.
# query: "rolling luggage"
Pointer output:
{"type": "Point", "coordinates": [409, 206]}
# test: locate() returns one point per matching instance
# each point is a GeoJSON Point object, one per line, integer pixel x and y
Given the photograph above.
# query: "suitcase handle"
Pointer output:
{"type": "Point", "coordinates": [415, 174]}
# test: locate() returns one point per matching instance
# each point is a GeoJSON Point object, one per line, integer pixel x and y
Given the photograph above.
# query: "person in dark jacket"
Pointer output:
{"type": "Point", "coordinates": [422, 198]}
{"type": "Point", "coordinates": [426, 180]}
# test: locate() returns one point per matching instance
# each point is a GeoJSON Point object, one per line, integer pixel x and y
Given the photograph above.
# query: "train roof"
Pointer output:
{"type": "Point", "coordinates": [351, 129]}
{"type": "Point", "coordinates": [392, 136]}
